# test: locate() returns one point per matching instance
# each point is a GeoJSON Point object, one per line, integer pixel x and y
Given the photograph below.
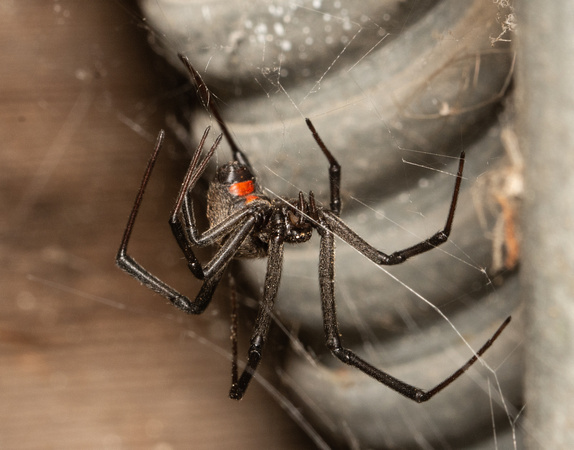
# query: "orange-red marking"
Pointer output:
{"type": "Point", "coordinates": [243, 189]}
{"type": "Point", "coordinates": [250, 198]}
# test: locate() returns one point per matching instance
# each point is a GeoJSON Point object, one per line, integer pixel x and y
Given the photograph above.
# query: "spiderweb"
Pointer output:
{"type": "Point", "coordinates": [396, 91]}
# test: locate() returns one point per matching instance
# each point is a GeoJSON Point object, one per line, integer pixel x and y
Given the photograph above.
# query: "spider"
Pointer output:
{"type": "Point", "coordinates": [245, 223]}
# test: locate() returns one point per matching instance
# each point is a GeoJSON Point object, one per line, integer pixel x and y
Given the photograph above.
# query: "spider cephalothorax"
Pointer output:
{"type": "Point", "coordinates": [245, 223]}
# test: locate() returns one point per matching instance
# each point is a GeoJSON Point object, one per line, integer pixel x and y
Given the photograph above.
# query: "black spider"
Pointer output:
{"type": "Point", "coordinates": [245, 223]}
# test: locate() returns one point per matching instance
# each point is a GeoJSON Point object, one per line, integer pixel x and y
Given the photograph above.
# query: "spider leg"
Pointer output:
{"type": "Point", "coordinates": [334, 171]}
{"type": "Point", "coordinates": [187, 236]}
{"type": "Point", "coordinates": [333, 340]}
{"type": "Point", "coordinates": [214, 269]}
{"type": "Point", "coordinates": [233, 329]}
{"type": "Point", "coordinates": [338, 227]}
{"type": "Point", "coordinates": [186, 233]}
{"type": "Point", "coordinates": [205, 95]}
{"type": "Point", "coordinates": [263, 321]}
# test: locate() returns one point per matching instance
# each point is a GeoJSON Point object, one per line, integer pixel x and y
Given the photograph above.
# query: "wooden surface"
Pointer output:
{"type": "Point", "coordinates": [90, 359]}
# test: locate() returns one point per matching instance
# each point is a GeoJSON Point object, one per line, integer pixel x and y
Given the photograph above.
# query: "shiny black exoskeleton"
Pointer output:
{"type": "Point", "coordinates": [245, 223]}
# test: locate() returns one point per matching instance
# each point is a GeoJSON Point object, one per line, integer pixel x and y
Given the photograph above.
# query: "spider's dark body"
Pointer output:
{"type": "Point", "coordinates": [245, 223]}
{"type": "Point", "coordinates": [233, 188]}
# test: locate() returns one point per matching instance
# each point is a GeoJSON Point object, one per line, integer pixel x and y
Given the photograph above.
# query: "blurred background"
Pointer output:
{"type": "Point", "coordinates": [89, 358]}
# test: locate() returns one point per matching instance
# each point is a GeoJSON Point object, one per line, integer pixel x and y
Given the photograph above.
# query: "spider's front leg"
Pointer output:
{"type": "Point", "coordinates": [333, 340]}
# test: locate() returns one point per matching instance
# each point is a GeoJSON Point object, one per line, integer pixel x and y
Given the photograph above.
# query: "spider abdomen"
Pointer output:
{"type": "Point", "coordinates": [234, 188]}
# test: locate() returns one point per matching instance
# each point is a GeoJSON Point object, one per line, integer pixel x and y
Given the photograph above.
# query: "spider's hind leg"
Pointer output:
{"type": "Point", "coordinates": [207, 100]}
{"type": "Point", "coordinates": [185, 231]}
{"type": "Point", "coordinates": [137, 271]}
{"type": "Point", "coordinates": [238, 231]}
